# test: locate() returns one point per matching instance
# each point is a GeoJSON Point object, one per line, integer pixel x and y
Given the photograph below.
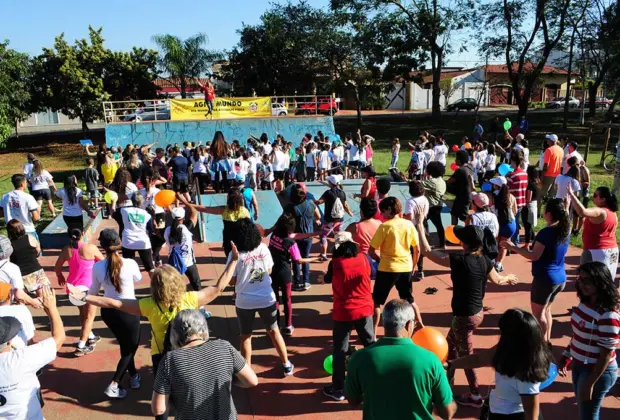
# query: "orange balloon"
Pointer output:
{"type": "Point", "coordinates": [433, 341]}
{"type": "Point", "coordinates": [164, 198]}
{"type": "Point", "coordinates": [450, 236]}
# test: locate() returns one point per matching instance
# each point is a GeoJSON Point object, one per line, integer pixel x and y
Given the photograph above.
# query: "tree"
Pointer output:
{"type": "Point", "coordinates": [576, 15]}
{"type": "Point", "coordinates": [130, 75]}
{"type": "Point", "coordinates": [14, 95]}
{"type": "Point", "coordinates": [429, 24]}
{"type": "Point", "coordinates": [523, 32]}
{"type": "Point", "coordinates": [184, 60]}
{"type": "Point", "coordinates": [69, 78]}
{"type": "Point", "coordinates": [447, 88]}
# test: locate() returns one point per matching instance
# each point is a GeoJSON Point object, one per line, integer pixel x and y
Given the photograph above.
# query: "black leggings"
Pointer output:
{"type": "Point", "coordinates": [529, 229]}
{"type": "Point", "coordinates": [194, 277]}
{"type": "Point", "coordinates": [146, 255]}
{"type": "Point", "coordinates": [73, 222]}
{"type": "Point", "coordinates": [434, 215]}
{"type": "Point", "coordinates": [126, 329]}
{"type": "Point", "coordinates": [119, 219]}
{"type": "Point", "coordinates": [220, 183]}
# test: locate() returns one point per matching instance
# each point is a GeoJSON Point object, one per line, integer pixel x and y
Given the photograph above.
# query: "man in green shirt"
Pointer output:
{"type": "Point", "coordinates": [394, 378]}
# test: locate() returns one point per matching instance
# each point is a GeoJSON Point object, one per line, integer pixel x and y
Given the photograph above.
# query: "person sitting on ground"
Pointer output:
{"type": "Point", "coordinates": [181, 382]}
{"type": "Point", "coordinates": [21, 390]}
{"type": "Point", "coordinates": [469, 273]}
{"type": "Point", "coordinates": [521, 360]}
{"type": "Point", "coordinates": [349, 274]}
{"type": "Point", "coordinates": [421, 380]}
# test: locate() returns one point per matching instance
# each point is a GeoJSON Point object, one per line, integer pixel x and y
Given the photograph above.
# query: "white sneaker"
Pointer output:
{"type": "Point", "coordinates": [288, 369]}
{"type": "Point", "coordinates": [116, 392]}
{"type": "Point", "coordinates": [134, 381]}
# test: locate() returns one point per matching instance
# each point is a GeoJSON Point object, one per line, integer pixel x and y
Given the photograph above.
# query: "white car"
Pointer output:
{"type": "Point", "coordinates": [558, 103]}
{"type": "Point", "coordinates": [278, 110]}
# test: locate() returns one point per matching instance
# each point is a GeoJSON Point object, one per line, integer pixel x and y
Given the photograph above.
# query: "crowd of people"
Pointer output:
{"type": "Point", "coordinates": [496, 191]}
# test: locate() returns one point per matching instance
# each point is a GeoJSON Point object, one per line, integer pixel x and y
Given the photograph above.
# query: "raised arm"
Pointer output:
{"type": "Point", "coordinates": [596, 214]}
{"type": "Point", "coordinates": [208, 294]}
{"type": "Point", "coordinates": [88, 152]}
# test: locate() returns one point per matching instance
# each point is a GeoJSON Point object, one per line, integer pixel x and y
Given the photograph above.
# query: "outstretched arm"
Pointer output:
{"type": "Point", "coordinates": [208, 294]}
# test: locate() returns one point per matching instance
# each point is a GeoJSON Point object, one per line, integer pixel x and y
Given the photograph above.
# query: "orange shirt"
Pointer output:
{"type": "Point", "coordinates": [553, 159]}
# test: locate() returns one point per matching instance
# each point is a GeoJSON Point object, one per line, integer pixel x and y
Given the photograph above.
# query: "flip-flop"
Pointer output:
{"type": "Point", "coordinates": [430, 290]}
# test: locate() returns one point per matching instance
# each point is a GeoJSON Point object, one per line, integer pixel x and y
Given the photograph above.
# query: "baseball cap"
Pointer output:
{"type": "Point", "coordinates": [470, 235]}
{"type": "Point", "coordinates": [6, 249]}
{"type": "Point", "coordinates": [178, 213]}
{"type": "Point", "coordinates": [239, 178]}
{"type": "Point", "coordinates": [480, 199]}
{"type": "Point", "coordinates": [5, 291]}
{"type": "Point", "coordinates": [342, 237]}
{"type": "Point", "coordinates": [9, 328]}
{"type": "Point", "coordinates": [303, 187]}
{"type": "Point", "coordinates": [109, 237]}
{"type": "Point", "coordinates": [552, 137]}
{"type": "Point", "coordinates": [520, 136]}
{"type": "Point", "coordinates": [334, 179]}
{"type": "Point", "coordinates": [500, 181]}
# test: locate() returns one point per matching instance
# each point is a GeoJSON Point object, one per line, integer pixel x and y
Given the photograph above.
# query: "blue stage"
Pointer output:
{"type": "Point", "coordinates": [55, 236]}
{"type": "Point", "coordinates": [163, 133]}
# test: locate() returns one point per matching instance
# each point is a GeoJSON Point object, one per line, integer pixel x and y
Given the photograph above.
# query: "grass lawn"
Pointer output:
{"type": "Point", "coordinates": [64, 159]}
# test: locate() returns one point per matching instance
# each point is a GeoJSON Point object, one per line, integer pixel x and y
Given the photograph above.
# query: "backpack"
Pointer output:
{"type": "Point", "coordinates": [489, 244]}
{"type": "Point", "coordinates": [175, 259]}
{"type": "Point", "coordinates": [337, 209]}
{"type": "Point", "coordinates": [306, 224]}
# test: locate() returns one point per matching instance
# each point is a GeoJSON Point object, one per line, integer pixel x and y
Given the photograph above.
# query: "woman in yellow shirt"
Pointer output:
{"type": "Point", "coordinates": [397, 241]}
{"type": "Point", "coordinates": [168, 297]}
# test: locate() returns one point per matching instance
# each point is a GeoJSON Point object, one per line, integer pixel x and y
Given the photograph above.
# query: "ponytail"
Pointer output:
{"type": "Point", "coordinates": [176, 232]}
{"type": "Point", "coordinates": [115, 263]}
{"type": "Point", "coordinates": [557, 209]}
{"type": "Point", "coordinates": [611, 200]}
{"type": "Point", "coordinates": [75, 235]}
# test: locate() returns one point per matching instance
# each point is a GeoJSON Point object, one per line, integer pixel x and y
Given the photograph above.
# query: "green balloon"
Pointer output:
{"type": "Point", "coordinates": [507, 125]}
{"type": "Point", "coordinates": [327, 364]}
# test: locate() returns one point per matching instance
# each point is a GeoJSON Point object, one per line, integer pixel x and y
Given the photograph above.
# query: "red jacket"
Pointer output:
{"type": "Point", "coordinates": [351, 287]}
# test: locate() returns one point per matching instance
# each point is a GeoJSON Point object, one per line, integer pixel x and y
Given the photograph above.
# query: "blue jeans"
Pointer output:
{"type": "Point", "coordinates": [394, 161]}
{"type": "Point", "coordinates": [515, 238]}
{"type": "Point", "coordinates": [589, 410]}
{"type": "Point", "coordinates": [304, 246]}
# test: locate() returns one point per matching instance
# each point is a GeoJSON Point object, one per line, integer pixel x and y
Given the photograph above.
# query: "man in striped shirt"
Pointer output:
{"type": "Point", "coordinates": [517, 185]}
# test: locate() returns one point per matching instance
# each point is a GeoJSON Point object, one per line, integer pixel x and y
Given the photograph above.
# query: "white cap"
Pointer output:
{"type": "Point", "coordinates": [334, 179]}
{"type": "Point", "coordinates": [178, 213]}
{"type": "Point", "coordinates": [500, 181]}
{"type": "Point", "coordinates": [552, 137]}
{"type": "Point", "coordinates": [342, 237]}
{"type": "Point", "coordinates": [520, 136]}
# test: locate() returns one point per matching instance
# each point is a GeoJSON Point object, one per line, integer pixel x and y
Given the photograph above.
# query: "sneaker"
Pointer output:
{"type": "Point", "coordinates": [288, 369]}
{"type": "Point", "coordinates": [83, 351]}
{"type": "Point", "coordinates": [323, 257]}
{"type": "Point", "coordinates": [499, 267]}
{"type": "Point", "coordinates": [134, 381]}
{"type": "Point", "coordinates": [288, 331]}
{"type": "Point", "coordinates": [115, 392]}
{"type": "Point", "coordinates": [205, 313]}
{"type": "Point", "coordinates": [306, 286]}
{"type": "Point", "coordinates": [334, 394]}
{"type": "Point", "coordinates": [469, 401]}
{"type": "Point", "coordinates": [418, 276]}
{"type": "Point", "coordinates": [297, 287]}
{"type": "Point", "coordinates": [93, 341]}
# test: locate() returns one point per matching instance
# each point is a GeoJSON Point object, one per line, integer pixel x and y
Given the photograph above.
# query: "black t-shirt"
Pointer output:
{"type": "Point", "coordinates": [194, 393]}
{"type": "Point", "coordinates": [329, 197]}
{"type": "Point", "coordinates": [533, 187]}
{"type": "Point", "coordinates": [281, 250]}
{"type": "Point", "coordinates": [91, 178]}
{"type": "Point", "coordinates": [469, 273]}
{"type": "Point", "coordinates": [179, 165]}
{"type": "Point", "coordinates": [462, 185]}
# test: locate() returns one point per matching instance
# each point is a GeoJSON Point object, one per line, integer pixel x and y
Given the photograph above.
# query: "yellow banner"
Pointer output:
{"type": "Point", "coordinates": [195, 109]}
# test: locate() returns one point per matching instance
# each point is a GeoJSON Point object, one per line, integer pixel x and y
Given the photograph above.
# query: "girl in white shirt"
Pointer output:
{"type": "Point", "coordinates": [490, 162]}
{"type": "Point", "coordinates": [72, 204]}
{"type": "Point", "coordinates": [125, 189]}
{"type": "Point", "coordinates": [311, 161]}
{"type": "Point", "coordinates": [324, 162]}
{"type": "Point", "coordinates": [199, 167]}
{"type": "Point", "coordinates": [179, 238]}
{"type": "Point", "coordinates": [135, 236]}
{"type": "Point", "coordinates": [41, 185]}
{"type": "Point", "coordinates": [521, 360]}
{"type": "Point", "coordinates": [441, 151]}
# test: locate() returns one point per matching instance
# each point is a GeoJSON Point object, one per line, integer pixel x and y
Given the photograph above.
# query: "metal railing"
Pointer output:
{"type": "Point", "coordinates": [159, 109]}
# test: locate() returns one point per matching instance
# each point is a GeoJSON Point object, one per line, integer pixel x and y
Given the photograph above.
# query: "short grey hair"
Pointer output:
{"type": "Point", "coordinates": [396, 314]}
{"type": "Point", "coordinates": [188, 323]}
{"type": "Point", "coordinates": [137, 199]}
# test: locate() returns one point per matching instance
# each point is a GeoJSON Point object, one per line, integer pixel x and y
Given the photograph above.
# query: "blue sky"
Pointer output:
{"type": "Point", "coordinates": [31, 25]}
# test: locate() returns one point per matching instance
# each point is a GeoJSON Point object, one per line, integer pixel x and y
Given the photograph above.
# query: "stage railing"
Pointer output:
{"type": "Point", "coordinates": [159, 109]}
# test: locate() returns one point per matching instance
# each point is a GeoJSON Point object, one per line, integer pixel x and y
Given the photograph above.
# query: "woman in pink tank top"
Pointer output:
{"type": "Point", "coordinates": [80, 257]}
{"type": "Point", "coordinates": [365, 229]}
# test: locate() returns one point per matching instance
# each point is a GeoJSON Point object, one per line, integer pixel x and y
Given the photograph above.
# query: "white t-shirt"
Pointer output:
{"type": "Point", "coordinates": [199, 166]}
{"type": "Point", "coordinates": [69, 209]}
{"type": "Point", "coordinates": [244, 167]}
{"type": "Point", "coordinates": [480, 158]}
{"type": "Point", "coordinates": [361, 154]}
{"type": "Point", "coordinates": [506, 397]}
{"type": "Point", "coordinates": [23, 315]}
{"type": "Point", "coordinates": [149, 199]}
{"type": "Point", "coordinates": [279, 161]}
{"type": "Point", "coordinates": [135, 235]}
{"type": "Point", "coordinates": [441, 150]}
{"type": "Point", "coordinates": [490, 161]}
{"type": "Point", "coordinates": [418, 206]}
{"type": "Point", "coordinates": [561, 185]}
{"type": "Point", "coordinates": [19, 385]}
{"type": "Point", "coordinates": [338, 154]}
{"type": "Point", "coordinates": [130, 274]}
{"type": "Point", "coordinates": [268, 172]}
{"type": "Point", "coordinates": [568, 156]}
{"type": "Point", "coordinates": [28, 169]}
{"type": "Point", "coordinates": [324, 161]}
{"type": "Point", "coordinates": [11, 274]}
{"type": "Point", "coordinates": [526, 155]}
{"type": "Point", "coordinates": [253, 285]}
{"type": "Point", "coordinates": [253, 161]}
{"type": "Point", "coordinates": [185, 246]}
{"type": "Point", "coordinates": [40, 182]}
{"type": "Point", "coordinates": [18, 205]}
{"type": "Point", "coordinates": [267, 148]}
{"type": "Point", "coordinates": [130, 189]}
{"type": "Point", "coordinates": [486, 219]}
{"type": "Point", "coordinates": [429, 155]}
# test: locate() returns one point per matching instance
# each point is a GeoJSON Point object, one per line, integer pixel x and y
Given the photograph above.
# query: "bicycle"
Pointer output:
{"type": "Point", "coordinates": [609, 163]}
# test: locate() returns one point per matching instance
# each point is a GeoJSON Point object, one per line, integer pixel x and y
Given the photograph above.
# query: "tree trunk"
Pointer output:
{"type": "Point", "coordinates": [183, 83]}
{"type": "Point", "coordinates": [437, 65]}
{"type": "Point", "coordinates": [609, 116]}
{"type": "Point", "coordinates": [16, 132]}
{"type": "Point", "coordinates": [568, 79]}
{"type": "Point", "coordinates": [85, 128]}
{"type": "Point", "coordinates": [358, 107]}
{"type": "Point", "coordinates": [592, 88]}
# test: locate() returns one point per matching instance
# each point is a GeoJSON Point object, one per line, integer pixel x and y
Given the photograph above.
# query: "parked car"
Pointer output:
{"type": "Point", "coordinates": [149, 113]}
{"type": "Point", "coordinates": [600, 101]}
{"type": "Point", "coordinates": [465, 103]}
{"type": "Point", "coordinates": [278, 110]}
{"type": "Point", "coordinates": [324, 106]}
{"type": "Point", "coordinates": [558, 103]}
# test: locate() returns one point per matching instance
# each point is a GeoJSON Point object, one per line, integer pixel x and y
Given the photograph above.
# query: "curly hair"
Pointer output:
{"type": "Point", "coordinates": [597, 273]}
{"type": "Point", "coordinates": [167, 287]}
{"type": "Point", "coordinates": [246, 235]}
{"type": "Point", "coordinates": [435, 169]}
